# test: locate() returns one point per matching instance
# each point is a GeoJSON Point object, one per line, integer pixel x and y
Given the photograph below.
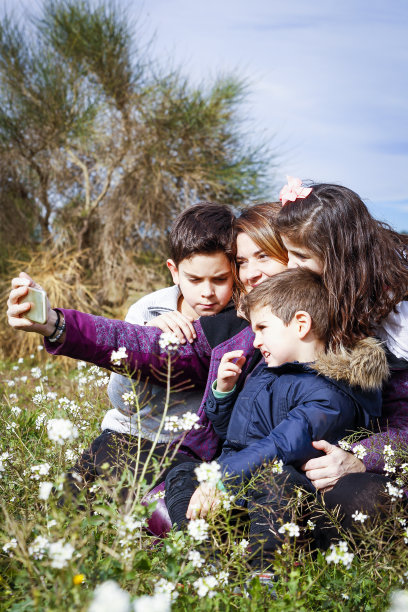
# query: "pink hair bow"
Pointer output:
{"type": "Point", "coordinates": [293, 190]}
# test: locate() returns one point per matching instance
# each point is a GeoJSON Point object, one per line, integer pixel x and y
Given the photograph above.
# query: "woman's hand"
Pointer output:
{"type": "Point", "coordinates": [16, 311]}
{"type": "Point", "coordinates": [177, 323]}
{"type": "Point", "coordinates": [325, 471]}
{"type": "Point", "coordinates": [229, 370]}
{"type": "Point", "coordinates": [205, 498]}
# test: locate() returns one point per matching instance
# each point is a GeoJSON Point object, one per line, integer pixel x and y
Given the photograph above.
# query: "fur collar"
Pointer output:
{"type": "Point", "coordinates": [365, 365]}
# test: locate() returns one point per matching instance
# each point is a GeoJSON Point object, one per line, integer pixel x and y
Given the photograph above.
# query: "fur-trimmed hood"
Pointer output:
{"type": "Point", "coordinates": [363, 366]}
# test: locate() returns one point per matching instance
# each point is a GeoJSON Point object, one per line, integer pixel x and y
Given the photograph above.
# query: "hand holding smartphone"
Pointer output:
{"type": "Point", "coordinates": [38, 312]}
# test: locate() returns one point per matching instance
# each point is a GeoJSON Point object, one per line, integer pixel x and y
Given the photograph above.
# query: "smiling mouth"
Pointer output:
{"type": "Point", "coordinates": [265, 354]}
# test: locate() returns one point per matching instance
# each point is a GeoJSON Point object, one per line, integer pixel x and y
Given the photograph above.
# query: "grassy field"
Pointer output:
{"type": "Point", "coordinates": [100, 556]}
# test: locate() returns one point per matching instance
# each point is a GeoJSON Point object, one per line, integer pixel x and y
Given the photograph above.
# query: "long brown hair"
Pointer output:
{"type": "Point", "coordinates": [365, 267]}
{"type": "Point", "coordinates": [259, 222]}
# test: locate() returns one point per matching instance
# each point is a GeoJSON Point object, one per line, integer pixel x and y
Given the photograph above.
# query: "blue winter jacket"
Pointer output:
{"type": "Point", "coordinates": [280, 410]}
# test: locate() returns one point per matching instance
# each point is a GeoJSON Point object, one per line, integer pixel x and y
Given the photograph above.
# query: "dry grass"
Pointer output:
{"type": "Point", "coordinates": [61, 275]}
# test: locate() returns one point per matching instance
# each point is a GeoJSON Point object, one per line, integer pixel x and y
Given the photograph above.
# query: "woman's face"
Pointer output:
{"type": "Point", "coordinates": [299, 257]}
{"type": "Point", "coordinates": [254, 264]}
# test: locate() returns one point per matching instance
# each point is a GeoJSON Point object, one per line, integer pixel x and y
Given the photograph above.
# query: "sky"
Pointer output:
{"type": "Point", "coordinates": [327, 82]}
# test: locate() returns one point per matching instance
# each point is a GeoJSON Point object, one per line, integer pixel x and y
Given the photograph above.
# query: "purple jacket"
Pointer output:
{"type": "Point", "coordinates": [93, 338]}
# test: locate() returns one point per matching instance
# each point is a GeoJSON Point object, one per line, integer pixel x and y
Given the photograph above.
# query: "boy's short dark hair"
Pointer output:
{"type": "Point", "coordinates": [203, 228]}
{"type": "Point", "coordinates": [290, 291]}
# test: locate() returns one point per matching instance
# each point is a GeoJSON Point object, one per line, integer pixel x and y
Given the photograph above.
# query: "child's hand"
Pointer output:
{"type": "Point", "coordinates": [205, 498]}
{"type": "Point", "coordinates": [177, 323]}
{"type": "Point", "coordinates": [229, 370]}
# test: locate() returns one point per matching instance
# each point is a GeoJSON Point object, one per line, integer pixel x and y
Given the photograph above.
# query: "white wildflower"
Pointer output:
{"type": "Point", "coordinates": [227, 500]}
{"type": "Point", "coordinates": [277, 466]}
{"type": "Point", "coordinates": [209, 473]}
{"type": "Point", "coordinates": [340, 554]}
{"type": "Point", "coordinates": [13, 397]}
{"type": "Point", "coordinates": [101, 382]}
{"type": "Point", "coordinates": [20, 360]}
{"type": "Point", "coordinates": [45, 490]}
{"type": "Point", "coordinates": [51, 523]}
{"type": "Point", "coordinates": [171, 423]}
{"type": "Point", "coordinates": [11, 426]}
{"type": "Point", "coordinates": [11, 545]}
{"type": "Point", "coordinates": [310, 525]}
{"type": "Point", "coordinates": [405, 534]}
{"type": "Point", "coordinates": [169, 342]}
{"type": "Point", "coordinates": [60, 553]}
{"type": "Point", "coordinates": [81, 365]}
{"type": "Point", "coordinates": [117, 356]}
{"type": "Point", "coordinates": [16, 410]}
{"type": "Point", "coordinates": [130, 398]}
{"type": "Point", "coordinates": [198, 529]}
{"type": "Point", "coordinates": [393, 491]}
{"type": "Point", "coordinates": [15, 368]}
{"type": "Point", "coordinates": [398, 601]}
{"type": "Point", "coordinates": [108, 596]}
{"type": "Point", "coordinates": [160, 602]}
{"type": "Point", "coordinates": [11, 383]}
{"type": "Point", "coordinates": [240, 548]}
{"type": "Point", "coordinates": [61, 431]}
{"type": "Point", "coordinates": [222, 577]}
{"type": "Point", "coordinates": [404, 468]}
{"type": "Point", "coordinates": [128, 524]}
{"type": "Point", "coordinates": [345, 596]}
{"type": "Point", "coordinates": [291, 529]}
{"type": "Point", "coordinates": [402, 521]}
{"type": "Point", "coordinates": [39, 398]}
{"type": "Point", "coordinates": [188, 421]}
{"type": "Point", "coordinates": [36, 372]}
{"type": "Point", "coordinates": [195, 558]}
{"type": "Point", "coordinates": [38, 547]}
{"type": "Point", "coordinates": [205, 586]}
{"type": "Point", "coordinates": [166, 587]}
{"type": "Point", "coordinates": [32, 356]}
{"type": "Point", "coordinates": [71, 455]}
{"type": "Point", "coordinates": [360, 451]}
{"type": "Point", "coordinates": [23, 379]}
{"type": "Point", "coordinates": [159, 495]}
{"type": "Point", "coordinates": [40, 470]}
{"type": "Point", "coordinates": [40, 347]}
{"type": "Point", "coordinates": [359, 516]}
{"type": "Point", "coordinates": [39, 421]}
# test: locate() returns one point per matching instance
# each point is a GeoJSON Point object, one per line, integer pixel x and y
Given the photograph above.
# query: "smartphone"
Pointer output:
{"type": "Point", "coordinates": [38, 312]}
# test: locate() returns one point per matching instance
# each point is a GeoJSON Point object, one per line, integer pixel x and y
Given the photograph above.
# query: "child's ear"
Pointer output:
{"type": "Point", "coordinates": [173, 271]}
{"type": "Point", "coordinates": [303, 323]}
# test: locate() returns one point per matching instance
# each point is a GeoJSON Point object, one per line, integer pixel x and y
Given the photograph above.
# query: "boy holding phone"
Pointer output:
{"type": "Point", "coordinates": [200, 263]}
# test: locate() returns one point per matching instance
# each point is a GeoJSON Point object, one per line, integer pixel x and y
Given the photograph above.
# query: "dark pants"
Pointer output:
{"type": "Point", "coordinates": [271, 503]}
{"type": "Point", "coordinates": [111, 453]}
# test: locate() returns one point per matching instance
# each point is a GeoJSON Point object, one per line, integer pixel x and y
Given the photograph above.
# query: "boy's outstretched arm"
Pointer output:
{"type": "Point", "coordinates": [93, 338]}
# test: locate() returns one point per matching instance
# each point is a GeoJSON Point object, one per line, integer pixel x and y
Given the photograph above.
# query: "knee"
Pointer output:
{"type": "Point", "coordinates": [179, 477]}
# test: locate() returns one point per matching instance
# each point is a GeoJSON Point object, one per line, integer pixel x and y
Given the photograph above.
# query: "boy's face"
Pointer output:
{"type": "Point", "coordinates": [277, 342]}
{"type": "Point", "coordinates": [205, 282]}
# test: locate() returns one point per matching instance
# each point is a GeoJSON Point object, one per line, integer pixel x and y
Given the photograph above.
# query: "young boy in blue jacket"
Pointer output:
{"type": "Point", "coordinates": [301, 391]}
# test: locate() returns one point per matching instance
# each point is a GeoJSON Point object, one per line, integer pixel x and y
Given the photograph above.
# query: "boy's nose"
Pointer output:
{"type": "Point", "coordinates": [257, 341]}
{"type": "Point", "coordinates": [207, 290]}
